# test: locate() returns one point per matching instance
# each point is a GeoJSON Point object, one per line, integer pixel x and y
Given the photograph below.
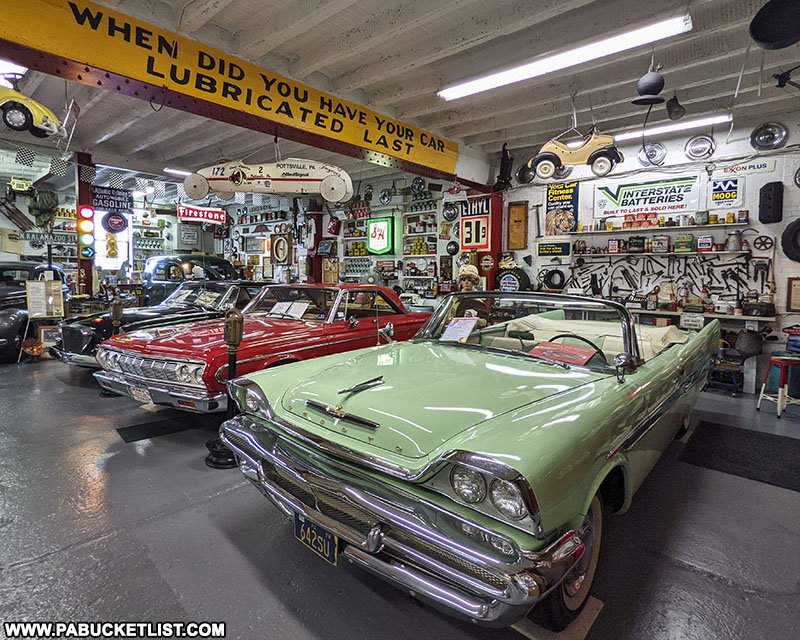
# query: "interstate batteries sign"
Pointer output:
{"type": "Point", "coordinates": [100, 37]}
{"type": "Point", "coordinates": [664, 197]}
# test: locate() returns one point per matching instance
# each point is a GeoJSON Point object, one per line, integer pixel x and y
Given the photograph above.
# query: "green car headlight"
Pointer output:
{"type": "Point", "coordinates": [249, 397]}
{"type": "Point", "coordinates": [507, 499]}
{"type": "Point", "coordinates": [468, 484]}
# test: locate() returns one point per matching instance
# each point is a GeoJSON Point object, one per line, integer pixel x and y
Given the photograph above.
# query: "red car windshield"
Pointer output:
{"type": "Point", "coordinates": [300, 303]}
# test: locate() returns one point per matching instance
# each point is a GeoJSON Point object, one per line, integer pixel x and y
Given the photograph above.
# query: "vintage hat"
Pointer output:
{"type": "Point", "coordinates": [469, 271]}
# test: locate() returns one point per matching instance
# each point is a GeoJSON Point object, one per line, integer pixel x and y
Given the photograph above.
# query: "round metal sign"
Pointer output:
{"type": "Point", "coordinates": [115, 222]}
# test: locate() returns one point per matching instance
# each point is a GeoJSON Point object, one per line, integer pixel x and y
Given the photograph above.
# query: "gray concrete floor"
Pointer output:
{"type": "Point", "coordinates": [92, 528]}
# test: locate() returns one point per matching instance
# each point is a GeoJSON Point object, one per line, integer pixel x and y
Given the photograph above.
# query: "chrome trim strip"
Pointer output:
{"type": "Point", "coordinates": [650, 420]}
{"type": "Point", "coordinates": [335, 412]}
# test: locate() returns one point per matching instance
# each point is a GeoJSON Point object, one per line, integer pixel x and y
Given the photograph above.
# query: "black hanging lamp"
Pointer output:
{"type": "Point", "coordinates": [649, 86]}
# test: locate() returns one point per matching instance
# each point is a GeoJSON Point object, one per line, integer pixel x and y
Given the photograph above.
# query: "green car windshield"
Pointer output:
{"type": "Point", "coordinates": [564, 330]}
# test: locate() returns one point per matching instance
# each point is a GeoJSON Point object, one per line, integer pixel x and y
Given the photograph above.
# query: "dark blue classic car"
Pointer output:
{"type": "Point", "coordinates": [14, 326]}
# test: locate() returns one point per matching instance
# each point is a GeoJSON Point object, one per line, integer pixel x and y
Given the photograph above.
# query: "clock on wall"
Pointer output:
{"type": "Point", "coordinates": [281, 247]}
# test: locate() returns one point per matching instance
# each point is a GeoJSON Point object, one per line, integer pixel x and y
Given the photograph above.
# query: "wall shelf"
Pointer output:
{"type": "Point", "coordinates": [651, 229]}
{"type": "Point", "coordinates": [653, 254]}
{"type": "Point", "coordinates": [720, 316]}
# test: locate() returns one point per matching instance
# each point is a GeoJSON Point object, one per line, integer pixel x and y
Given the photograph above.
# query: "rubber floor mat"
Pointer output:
{"type": "Point", "coordinates": [763, 457]}
{"type": "Point", "coordinates": [153, 430]}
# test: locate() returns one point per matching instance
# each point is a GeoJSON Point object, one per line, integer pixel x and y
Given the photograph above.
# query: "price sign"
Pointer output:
{"type": "Point", "coordinates": [475, 233]}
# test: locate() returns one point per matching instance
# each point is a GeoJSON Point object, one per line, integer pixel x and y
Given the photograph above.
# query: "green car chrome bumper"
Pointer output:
{"type": "Point", "coordinates": [412, 543]}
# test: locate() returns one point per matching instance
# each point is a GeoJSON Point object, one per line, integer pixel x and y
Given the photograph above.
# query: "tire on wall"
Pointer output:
{"type": "Point", "coordinates": [564, 603]}
{"type": "Point", "coordinates": [512, 280]}
{"type": "Point", "coordinates": [790, 241]}
{"type": "Point", "coordinates": [17, 116]}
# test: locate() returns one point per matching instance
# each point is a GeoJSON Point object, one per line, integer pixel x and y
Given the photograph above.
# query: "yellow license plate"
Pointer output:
{"type": "Point", "coordinates": [319, 540]}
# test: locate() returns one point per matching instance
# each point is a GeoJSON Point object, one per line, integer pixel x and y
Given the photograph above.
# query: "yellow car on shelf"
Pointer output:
{"type": "Point", "coordinates": [22, 113]}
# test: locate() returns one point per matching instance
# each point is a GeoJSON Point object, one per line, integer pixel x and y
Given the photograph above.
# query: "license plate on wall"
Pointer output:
{"type": "Point", "coordinates": [320, 541]}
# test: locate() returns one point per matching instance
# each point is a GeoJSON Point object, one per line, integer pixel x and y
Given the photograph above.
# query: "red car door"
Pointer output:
{"type": "Point", "coordinates": [356, 320]}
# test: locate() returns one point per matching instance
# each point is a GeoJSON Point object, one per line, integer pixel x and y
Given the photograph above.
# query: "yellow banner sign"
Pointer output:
{"type": "Point", "coordinates": [112, 41]}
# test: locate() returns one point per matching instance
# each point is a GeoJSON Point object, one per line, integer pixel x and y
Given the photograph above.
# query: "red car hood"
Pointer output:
{"type": "Point", "coordinates": [206, 339]}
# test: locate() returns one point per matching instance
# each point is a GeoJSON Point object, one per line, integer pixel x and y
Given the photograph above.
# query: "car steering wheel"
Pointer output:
{"type": "Point", "coordinates": [587, 341]}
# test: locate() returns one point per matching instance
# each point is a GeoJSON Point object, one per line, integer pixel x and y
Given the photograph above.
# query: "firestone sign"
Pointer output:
{"type": "Point", "coordinates": [200, 214]}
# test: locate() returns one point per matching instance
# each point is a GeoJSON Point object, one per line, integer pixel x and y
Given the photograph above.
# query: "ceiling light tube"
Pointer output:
{"type": "Point", "coordinates": [177, 172]}
{"type": "Point", "coordinates": [677, 126]}
{"type": "Point", "coordinates": [579, 55]}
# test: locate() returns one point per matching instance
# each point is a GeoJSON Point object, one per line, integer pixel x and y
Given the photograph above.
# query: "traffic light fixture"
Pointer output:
{"type": "Point", "coordinates": [86, 248]}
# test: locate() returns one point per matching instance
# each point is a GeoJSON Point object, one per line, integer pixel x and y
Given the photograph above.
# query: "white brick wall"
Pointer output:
{"type": "Point", "coordinates": [729, 150]}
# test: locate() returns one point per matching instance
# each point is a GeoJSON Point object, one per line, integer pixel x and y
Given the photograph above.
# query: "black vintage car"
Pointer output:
{"type": "Point", "coordinates": [164, 274]}
{"type": "Point", "coordinates": [193, 301]}
{"type": "Point", "coordinates": [14, 327]}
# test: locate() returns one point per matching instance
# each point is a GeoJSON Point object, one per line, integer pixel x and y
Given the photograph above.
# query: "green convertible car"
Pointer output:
{"type": "Point", "coordinates": [471, 466]}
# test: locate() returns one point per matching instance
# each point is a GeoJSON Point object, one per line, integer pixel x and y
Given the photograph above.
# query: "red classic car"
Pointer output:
{"type": "Point", "coordinates": [186, 366]}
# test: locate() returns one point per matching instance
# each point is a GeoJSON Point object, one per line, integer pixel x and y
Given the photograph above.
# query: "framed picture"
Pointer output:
{"type": "Point", "coordinates": [517, 237]}
{"type": "Point", "coordinates": [49, 335]}
{"type": "Point", "coordinates": [793, 295]}
{"type": "Point", "coordinates": [253, 244]}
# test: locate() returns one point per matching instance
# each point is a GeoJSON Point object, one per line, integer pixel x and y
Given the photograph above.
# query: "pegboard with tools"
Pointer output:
{"type": "Point", "coordinates": [704, 281]}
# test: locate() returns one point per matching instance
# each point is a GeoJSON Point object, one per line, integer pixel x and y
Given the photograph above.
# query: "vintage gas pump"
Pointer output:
{"type": "Point", "coordinates": [219, 456]}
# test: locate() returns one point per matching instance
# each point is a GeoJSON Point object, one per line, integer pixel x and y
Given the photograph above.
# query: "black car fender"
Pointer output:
{"type": "Point", "coordinates": [610, 152]}
{"type": "Point", "coordinates": [547, 155]}
{"type": "Point", "coordinates": [11, 320]}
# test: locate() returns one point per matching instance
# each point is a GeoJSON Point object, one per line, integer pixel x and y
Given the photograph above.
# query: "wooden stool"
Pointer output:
{"type": "Point", "coordinates": [782, 397]}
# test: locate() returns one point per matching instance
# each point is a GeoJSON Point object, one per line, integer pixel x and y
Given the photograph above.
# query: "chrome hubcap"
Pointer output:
{"type": "Point", "coordinates": [15, 117]}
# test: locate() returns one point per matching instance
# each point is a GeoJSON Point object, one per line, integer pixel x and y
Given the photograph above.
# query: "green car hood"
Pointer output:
{"type": "Point", "coordinates": [429, 393]}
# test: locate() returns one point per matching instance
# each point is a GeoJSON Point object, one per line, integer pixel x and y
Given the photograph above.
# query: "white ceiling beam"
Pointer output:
{"type": "Point", "coordinates": [391, 20]}
{"type": "Point", "coordinates": [606, 18]}
{"type": "Point", "coordinates": [620, 120]}
{"type": "Point", "coordinates": [278, 27]}
{"type": "Point", "coordinates": [709, 83]}
{"type": "Point", "coordinates": [761, 108]}
{"type": "Point", "coordinates": [706, 75]}
{"type": "Point", "coordinates": [176, 125]}
{"type": "Point", "coordinates": [470, 29]}
{"type": "Point", "coordinates": [197, 13]}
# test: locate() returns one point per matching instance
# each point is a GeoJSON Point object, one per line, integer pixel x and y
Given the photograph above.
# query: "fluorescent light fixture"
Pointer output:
{"type": "Point", "coordinates": [9, 67]}
{"type": "Point", "coordinates": [177, 172]}
{"type": "Point", "coordinates": [150, 189]}
{"type": "Point", "coordinates": [137, 194]}
{"type": "Point", "coordinates": [579, 55]}
{"type": "Point", "coordinates": [677, 126]}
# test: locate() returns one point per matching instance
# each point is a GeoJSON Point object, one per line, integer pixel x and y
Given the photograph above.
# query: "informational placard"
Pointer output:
{"type": "Point", "coordinates": [110, 40]}
{"type": "Point", "coordinates": [190, 235]}
{"type": "Point", "coordinates": [553, 249]}
{"type": "Point", "coordinates": [380, 235]}
{"type": "Point", "coordinates": [45, 299]}
{"type": "Point", "coordinates": [662, 197]}
{"type": "Point", "coordinates": [694, 321]}
{"type": "Point", "coordinates": [728, 192]}
{"type": "Point", "coordinates": [111, 200]}
{"type": "Point", "coordinates": [458, 330]}
{"type": "Point", "coordinates": [200, 214]}
{"type": "Point", "coordinates": [561, 209]}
